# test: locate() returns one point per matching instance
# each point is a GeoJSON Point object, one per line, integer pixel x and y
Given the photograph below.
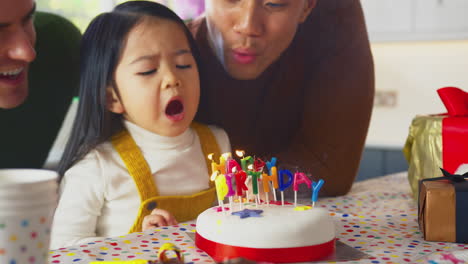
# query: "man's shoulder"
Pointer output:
{"type": "Point", "coordinates": [52, 23]}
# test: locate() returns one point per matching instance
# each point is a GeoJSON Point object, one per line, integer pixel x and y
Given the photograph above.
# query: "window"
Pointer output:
{"type": "Point", "coordinates": [81, 12]}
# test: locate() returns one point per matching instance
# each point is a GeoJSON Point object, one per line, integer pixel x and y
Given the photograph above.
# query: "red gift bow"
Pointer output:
{"type": "Point", "coordinates": [454, 128]}
{"type": "Point", "coordinates": [455, 100]}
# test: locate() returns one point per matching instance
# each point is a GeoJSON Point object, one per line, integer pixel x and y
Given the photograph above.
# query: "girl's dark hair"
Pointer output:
{"type": "Point", "coordinates": [101, 47]}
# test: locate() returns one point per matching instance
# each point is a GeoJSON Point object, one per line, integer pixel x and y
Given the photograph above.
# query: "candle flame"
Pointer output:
{"type": "Point", "coordinates": [226, 155]}
{"type": "Point", "coordinates": [210, 156]}
{"type": "Point", "coordinates": [240, 153]}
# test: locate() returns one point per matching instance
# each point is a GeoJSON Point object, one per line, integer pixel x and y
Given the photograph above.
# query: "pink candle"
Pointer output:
{"type": "Point", "coordinates": [299, 178]}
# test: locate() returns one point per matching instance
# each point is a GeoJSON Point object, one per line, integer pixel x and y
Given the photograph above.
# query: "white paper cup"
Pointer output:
{"type": "Point", "coordinates": [28, 198]}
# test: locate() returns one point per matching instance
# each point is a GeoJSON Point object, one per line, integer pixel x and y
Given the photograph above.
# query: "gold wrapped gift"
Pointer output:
{"type": "Point", "coordinates": [423, 149]}
{"type": "Point", "coordinates": [437, 211]}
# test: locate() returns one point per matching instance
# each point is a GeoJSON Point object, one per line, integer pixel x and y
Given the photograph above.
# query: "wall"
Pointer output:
{"type": "Point", "coordinates": [413, 71]}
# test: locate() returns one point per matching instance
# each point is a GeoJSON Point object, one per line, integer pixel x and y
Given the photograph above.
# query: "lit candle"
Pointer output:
{"type": "Point", "coordinates": [221, 167]}
{"type": "Point", "coordinates": [316, 186]}
{"type": "Point", "coordinates": [231, 164]}
{"type": "Point", "coordinates": [283, 185]}
{"type": "Point", "coordinates": [299, 178]}
{"type": "Point", "coordinates": [221, 187]}
{"type": "Point", "coordinates": [246, 162]}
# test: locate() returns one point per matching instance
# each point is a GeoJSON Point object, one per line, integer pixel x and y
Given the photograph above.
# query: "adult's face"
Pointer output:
{"type": "Point", "coordinates": [247, 36]}
{"type": "Point", "coordinates": [17, 39]}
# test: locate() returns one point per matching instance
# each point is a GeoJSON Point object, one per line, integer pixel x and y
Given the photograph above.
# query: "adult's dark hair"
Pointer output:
{"type": "Point", "coordinates": [101, 49]}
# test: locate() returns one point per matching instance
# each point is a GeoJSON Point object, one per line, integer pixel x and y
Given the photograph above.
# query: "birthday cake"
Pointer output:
{"type": "Point", "coordinates": [266, 232]}
{"type": "Point", "coordinates": [263, 231]}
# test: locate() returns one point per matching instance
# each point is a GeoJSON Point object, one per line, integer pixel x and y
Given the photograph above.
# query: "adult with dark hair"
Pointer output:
{"type": "Point", "coordinates": [134, 159]}
{"type": "Point", "coordinates": [35, 92]}
{"type": "Point", "coordinates": [291, 79]}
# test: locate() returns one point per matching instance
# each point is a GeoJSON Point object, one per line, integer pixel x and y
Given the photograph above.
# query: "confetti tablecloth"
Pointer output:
{"type": "Point", "coordinates": [378, 217]}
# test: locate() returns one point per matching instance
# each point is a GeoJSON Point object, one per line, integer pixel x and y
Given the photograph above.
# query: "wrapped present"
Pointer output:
{"type": "Point", "coordinates": [436, 141]}
{"type": "Point", "coordinates": [443, 208]}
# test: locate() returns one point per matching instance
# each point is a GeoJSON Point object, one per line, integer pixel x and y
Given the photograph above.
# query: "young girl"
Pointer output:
{"type": "Point", "coordinates": [135, 160]}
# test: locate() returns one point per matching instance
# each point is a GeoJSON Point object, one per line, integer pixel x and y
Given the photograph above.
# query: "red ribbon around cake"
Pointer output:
{"type": "Point", "coordinates": [221, 252]}
{"type": "Point", "coordinates": [454, 128]}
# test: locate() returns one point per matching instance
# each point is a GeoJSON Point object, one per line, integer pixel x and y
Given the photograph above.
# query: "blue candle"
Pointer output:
{"type": "Point", "coordinates": [284, 185]}
{"type": "Point", "coordinates": [315, 189]}
{"type": "Point", "coordinates": [270, 164]}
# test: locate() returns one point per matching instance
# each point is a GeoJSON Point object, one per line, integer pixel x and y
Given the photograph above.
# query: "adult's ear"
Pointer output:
{"type": "Point", "coordinates": [308, 6]}
{"type": "Point", "coordinates": [113, 101]}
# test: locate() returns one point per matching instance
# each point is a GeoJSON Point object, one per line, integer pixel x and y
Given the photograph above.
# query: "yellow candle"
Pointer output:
{"type": "Point", "coordinates": [273, 178]}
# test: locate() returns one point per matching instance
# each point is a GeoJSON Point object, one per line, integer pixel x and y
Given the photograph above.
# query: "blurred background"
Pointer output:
{"type": "Point", "coordinates": [418, 47]}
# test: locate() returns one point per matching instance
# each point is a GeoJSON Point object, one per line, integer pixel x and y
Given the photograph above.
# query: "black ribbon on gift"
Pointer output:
{"type": "Point", "coordinates": [460, 184]}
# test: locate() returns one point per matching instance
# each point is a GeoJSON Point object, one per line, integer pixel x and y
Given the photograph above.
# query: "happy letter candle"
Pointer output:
{"type": "Point", "coordinates": [221, 167]}
{"type": "Point", "coordinates": [270, 164]}
{"type": "Point", "coordinates": [246, 162]}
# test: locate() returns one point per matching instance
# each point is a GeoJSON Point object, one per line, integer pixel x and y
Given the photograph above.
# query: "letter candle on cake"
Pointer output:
{"type": "Point", "coordinates": [272, 172]}
{"type": "Point", "coordinates": [245, 162]}
{"type": "Point", "coordinates": [271, 177]}
{"type": "Point", "coordinates": [218, 178]}
{"type": "Point", "coordinates": [316, 186]}
{"type": "Point", "coordinates": [299, 178]}
{"type": "Point", "coordinates": [229, 177]}
{"type": "Point", "coordinates": [221, 167]}
{"type": "Point", "coordinates": [284, 185]}
{"type": "Point", "coordinates": [221, 187]}
{"type": "Point", "coordinates": [241, 176]}
{"type": "Point", "coordinates": [255, 175]}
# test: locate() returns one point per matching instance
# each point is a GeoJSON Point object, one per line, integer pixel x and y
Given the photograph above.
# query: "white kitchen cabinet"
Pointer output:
{"type": "Point", "coordinates": [397, 20]}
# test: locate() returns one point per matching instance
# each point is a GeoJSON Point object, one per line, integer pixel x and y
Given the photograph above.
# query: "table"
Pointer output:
{"type": "Point", "coordinates": [378, 217]}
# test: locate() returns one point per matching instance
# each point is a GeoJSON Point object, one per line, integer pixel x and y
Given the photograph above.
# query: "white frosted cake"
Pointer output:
{"type": "Point", "coordinates": [278, 233]}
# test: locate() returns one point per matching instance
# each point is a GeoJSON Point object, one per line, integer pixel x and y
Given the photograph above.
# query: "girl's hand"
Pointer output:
{"type": "Point", "coordinates": [158, 217]}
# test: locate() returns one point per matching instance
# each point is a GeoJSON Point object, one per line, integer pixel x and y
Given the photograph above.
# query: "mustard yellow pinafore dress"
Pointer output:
{"type": "Point", "coordinates": [183, 207]}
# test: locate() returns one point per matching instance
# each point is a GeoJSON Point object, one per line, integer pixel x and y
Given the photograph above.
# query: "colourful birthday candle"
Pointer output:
{"type": "Point", "coordinates": [221, 186]}
{"type": "Point", "coordinates": [316, 186]}
{"type": "Point", "coordinates": [270, 164]}
{"type": "Point", "coordinates": [231, 191]}
{"type": "Point", "coordinates": [255, 175]}
{"type": "Point", "coordinates": [221, 167]}
{"type": "Point", "coordinates": [283, 185]}
{"type": "Point", "coordinates": [231, 164]}
{"type": "Point", "coordinates": [241, 176]}
{"type": "Point", "coordinates": [246, 162]}
{"type": "Point", "coordinates": [273, 177]}
{"type": "Point", "coordinates": [259, 164]}
{"type": "Point", "coordinates": [299, 178]}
